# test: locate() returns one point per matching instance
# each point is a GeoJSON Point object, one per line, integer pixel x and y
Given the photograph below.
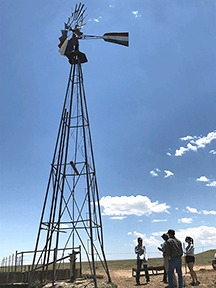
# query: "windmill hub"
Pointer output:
{"type": "Point", "coordinates": [69, 41]}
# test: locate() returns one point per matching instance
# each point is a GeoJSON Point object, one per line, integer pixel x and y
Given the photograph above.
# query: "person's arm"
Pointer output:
{"type": "Point", "coordinates": [161, 249]}
{"type": "Point", "coordinates": [189, 249]}
{"type": "Point", "coordinates": [138, 249]}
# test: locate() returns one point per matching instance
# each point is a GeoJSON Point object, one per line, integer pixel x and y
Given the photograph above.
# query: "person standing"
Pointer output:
{"type": "Point", "coordinates": [166, 259]}
{"type": "Point", "coordinates": [140, 250]}
{"type": "Point", "coordinates": [190, 259]}
{"type": "Point", "coordinates": [174, 251]}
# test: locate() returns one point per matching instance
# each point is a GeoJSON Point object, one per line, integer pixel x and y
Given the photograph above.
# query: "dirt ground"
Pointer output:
{"type": "Point", "coordinates": [123, 279]}
{"type": "Point", "coordinates": [205, 274]}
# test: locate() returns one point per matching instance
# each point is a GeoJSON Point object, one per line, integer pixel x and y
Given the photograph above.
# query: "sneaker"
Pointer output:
{"type": "Point", "coordinates": [197, 283]}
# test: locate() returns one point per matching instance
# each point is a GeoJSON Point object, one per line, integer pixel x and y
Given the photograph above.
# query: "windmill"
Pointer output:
{"type": "Point", "coordinates": [71, 218]}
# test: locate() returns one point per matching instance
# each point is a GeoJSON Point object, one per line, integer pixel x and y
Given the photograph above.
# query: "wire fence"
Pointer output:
{"type": "Point", "coordinates": [22, 261]}
{"type": "Point", "coordinates": [12, 263]}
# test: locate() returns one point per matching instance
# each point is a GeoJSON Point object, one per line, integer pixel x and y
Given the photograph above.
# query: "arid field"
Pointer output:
{"type": "Point", "coordinates": [122, 278]}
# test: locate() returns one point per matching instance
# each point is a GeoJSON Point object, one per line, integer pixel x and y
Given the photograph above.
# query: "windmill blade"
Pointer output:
{"type": "Point", "coordinates": [80, 10]}
{"type": "Point", "coordinates": [79, 18]}
{"type": "Point", "coordinates": [121, 38]}
{"type": "Point", "coordinates": [76, 16]}
{"type": "Point", "coordinates": [76, 10]}
{"type": "Point", "coordinates": [80, 27]}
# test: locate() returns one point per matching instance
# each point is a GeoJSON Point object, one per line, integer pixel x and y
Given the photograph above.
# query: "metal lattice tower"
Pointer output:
{"type": "Point", "coordinates": [71, 217]}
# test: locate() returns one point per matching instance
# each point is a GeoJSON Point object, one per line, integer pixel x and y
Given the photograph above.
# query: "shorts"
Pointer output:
{"type": "Point", "coordinates": [190, 259]}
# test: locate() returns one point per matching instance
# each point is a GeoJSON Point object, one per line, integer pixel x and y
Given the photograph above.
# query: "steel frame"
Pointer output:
{"type": "Point", "coordinates": [71, 210]}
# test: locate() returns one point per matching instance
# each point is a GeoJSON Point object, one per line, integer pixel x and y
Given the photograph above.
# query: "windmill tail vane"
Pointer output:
{"type": "Point", "coordinates": [118, 38]}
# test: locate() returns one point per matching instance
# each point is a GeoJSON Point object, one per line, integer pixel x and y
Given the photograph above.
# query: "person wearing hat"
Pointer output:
{"type": "Point", "coordinates": [140, 250]}
{"type": "Point", "coordinates": [163, 248]}
{"type": "Point", "coordinates": [174, 251]}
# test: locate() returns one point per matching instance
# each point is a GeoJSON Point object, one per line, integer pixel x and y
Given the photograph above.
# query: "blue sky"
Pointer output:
{"type": "Point", "coordinates": [152, 113]}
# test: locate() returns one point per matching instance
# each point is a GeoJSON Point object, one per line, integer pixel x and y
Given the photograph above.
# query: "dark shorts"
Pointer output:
{"type": "Point", "coordinates": [190, 259]}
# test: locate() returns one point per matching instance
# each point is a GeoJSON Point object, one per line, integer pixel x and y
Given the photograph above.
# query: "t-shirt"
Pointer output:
{"type": "Point", "coordinates": [164, 246]}
{"type": "Point", "coordinates": [141, 253]}
{"type": "Point", "coordinates": [174, 248]}
{"type": "Point", "coordinates": [190, 250]}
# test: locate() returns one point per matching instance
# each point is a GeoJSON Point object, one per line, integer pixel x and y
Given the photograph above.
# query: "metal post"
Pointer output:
{"type": "Point", "coordinates": [9, 263]}
{"type": "Point", "coordinates": [15, 261]}
{"type": "Point", "coordinates": [80, 262]}
{"type": "Point", "coordinates": [54, 266]}
{"type": "Point", "coordinates": [12, 263]}
{"type": "Point", "coordinates": [22, 262]}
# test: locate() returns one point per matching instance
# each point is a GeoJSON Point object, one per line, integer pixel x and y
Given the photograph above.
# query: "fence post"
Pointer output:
{"type": "Point", "coordinates": [22, 262]}
{"type": "Point", "coordinates": [16, 261]}
{"type": "Point", "coordinates": [80, 261]}
{"type": "Point", "coordinates": [9, 263]}
{"type": "Point", "coordinates": [12, 263]}
{"type": "Point", "coordinates": [6, 264]}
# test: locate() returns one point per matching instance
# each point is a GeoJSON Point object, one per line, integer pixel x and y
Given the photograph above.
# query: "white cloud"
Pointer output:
{"type": "Point", "coordinates": [185, 220]}
{"type": "Point", "coordinates": [118, 217]}
{"type": "Point", "coordinates": [159, 220]}
{"type": "Point", "coordinates": [195, 143]}
{"type": "Point", "coordinates": [136, 14]}
{"type": "Point", "coordinates": [212, 184]}
{"type": "Point", "coordinates": [182, 150]}
{"type": "Point", "coordinates": [192, 210]}
{"type": "Point", "coordinates": [187, 138]}
{"type": "Point", "coordinates": [64, 226]}
{"type": "Point", "coordinates": [203, 141]}
{"type": "Point", "coordinates": [153, 173]}
{"type": "Point", "coordinates": [212, 152]}
{"type": "Point", "coordinates": [129, 233]}
{"type": "Point", "coordinates": [131, 205]}
{"type": "Point", "coordinates": [205, 212]}
{"type": "Point", "coordinates": [168, 173]}
{"type": "Point", "coordinates": [151, 241]}
{"type": "Point", "coordinates": [168, 153]}
{"type": "Point", "coordinates": [202, 179]}
{"type": "Point", "coordinates": [202, 235]}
